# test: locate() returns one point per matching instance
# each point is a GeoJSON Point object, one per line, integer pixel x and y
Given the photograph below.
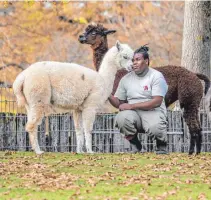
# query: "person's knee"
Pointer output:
{"type": "Point", "coordinates": [157, 130]}
{"type": "Point", "coordinates": [153, 129]}
{"type": "Point", "coordinates": [126, 122]}
{"type": "Point", "coordinates": [123, 119]}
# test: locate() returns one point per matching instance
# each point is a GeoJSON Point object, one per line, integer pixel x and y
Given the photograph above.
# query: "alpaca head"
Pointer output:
{"type": "Point", "coordinates": [124, 56]}
{"type": "Point", "coordinates": [95, 35]}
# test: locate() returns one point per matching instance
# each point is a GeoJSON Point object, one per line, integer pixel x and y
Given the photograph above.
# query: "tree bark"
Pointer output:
{"type": "Point", "coordinates": [197, 36]}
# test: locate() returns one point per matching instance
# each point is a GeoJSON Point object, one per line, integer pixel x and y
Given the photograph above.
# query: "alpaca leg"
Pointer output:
{"type": "Point", "coordinates": [88, 116]}
{"type": "Point", "coordinates": [198, 136]}
{"type": "Point", "coordinates": [191, 118]}
{"type": "Point", "coordinates": [34, 141]}
{"type": "Point", "coordinates": [30, 127]}
{"type": "Point", "coordinates": [34, 117]}
{"type": "Point", "coordinates": [77, 117]}
{"type": "Point", "coordinates": [198, 142]}
{"type": "Point", "coordinates": [192, 144]}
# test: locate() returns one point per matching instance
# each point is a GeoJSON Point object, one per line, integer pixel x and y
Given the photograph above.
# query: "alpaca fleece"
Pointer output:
{"type": "Point", "coordinates": [46, 88]}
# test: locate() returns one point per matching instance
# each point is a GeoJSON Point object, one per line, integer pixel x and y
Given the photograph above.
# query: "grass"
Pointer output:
{"type": "Point", "coordinates": [104, 176]}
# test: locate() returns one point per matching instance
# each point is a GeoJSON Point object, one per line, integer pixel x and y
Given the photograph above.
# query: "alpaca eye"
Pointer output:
{"type": "Point", "coordinates": [125, 57]}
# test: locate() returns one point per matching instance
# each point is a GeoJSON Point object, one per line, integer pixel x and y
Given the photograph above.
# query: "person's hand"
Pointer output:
{"type": "Point", "coordinates": [125, 106]}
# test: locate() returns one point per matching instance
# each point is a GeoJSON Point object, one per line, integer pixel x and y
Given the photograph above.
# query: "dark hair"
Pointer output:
{"type": "Point", "coordinates": [144, 51]}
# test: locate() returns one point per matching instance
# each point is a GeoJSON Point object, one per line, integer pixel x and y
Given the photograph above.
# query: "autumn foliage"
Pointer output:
{"type": "Point", "coordinates": [32, 31]}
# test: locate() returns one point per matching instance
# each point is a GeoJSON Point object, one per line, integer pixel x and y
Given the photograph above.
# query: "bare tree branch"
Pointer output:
{"type": "Point", "coordinates": [12, 64]}
{"type": "Point", "coordinates": [5, 84]}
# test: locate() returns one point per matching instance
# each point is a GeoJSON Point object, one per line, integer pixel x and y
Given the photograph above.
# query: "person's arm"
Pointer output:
{"type": "Point", "coordinates": [120, 95]}
{"type": "Point", "coordinates": [147, 105]}
{"type": "Point", "coordinates": [114, 101]}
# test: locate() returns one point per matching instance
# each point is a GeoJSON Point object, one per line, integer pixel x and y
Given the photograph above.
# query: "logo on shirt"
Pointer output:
{"type": "Point", "coordinates": [145, 87]}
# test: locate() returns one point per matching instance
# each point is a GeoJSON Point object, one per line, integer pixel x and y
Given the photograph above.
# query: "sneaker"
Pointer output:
{"type": "Point", "coordinates": [161, 147]}
{"type": "Point", "coordinates": [136, 144]}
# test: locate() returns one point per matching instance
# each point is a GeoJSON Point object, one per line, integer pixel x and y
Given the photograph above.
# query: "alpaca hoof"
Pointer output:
{"type": "Point", "coordinates": [90, 151]}
{"type": "Point", "coordinates": [80, 152]}
{"type": "Point", "coordinates": [39, 152]}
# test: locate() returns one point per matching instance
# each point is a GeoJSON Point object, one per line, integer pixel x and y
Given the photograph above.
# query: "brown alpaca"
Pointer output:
{"type": "Point", "coordinates": [184, 85]}
{"type": "Point", "coordinates": [96, 36]}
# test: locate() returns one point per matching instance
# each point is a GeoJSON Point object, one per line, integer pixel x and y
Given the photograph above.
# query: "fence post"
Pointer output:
{"type": "Point", "coordinates": [41, 135]}
{"type": "Point", "coordinates": [64, 132]}
{"type": "Point", "coordinates": [21, 133]}
{"type": "Point", "coordinates": [10, 132]}
{"type": "Point", "coordinates": [54, 132]}
{"type": "Point", "coordinates": [2, 127]}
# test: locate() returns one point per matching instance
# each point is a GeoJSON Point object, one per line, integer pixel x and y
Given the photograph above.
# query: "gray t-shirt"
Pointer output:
{"type": "Point", "coordinates": [136, 89]}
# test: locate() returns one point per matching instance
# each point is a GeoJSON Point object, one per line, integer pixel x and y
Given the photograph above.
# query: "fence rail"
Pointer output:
{"type": "Point", "coordinates": [61, 137]}
{"type": "Point", "coordinates": [61, 134]}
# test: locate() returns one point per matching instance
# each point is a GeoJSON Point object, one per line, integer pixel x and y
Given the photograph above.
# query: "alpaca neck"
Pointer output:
{"type": "Point", "coordinates": [108, 70]}
{"type": "Point", "coordinates": [99, 52]}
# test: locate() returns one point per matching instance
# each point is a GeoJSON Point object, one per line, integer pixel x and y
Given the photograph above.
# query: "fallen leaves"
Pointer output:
{"type": "Point", "coordinates": [146, 176]}
{"type": "Point", "coordinates": [202, 196]}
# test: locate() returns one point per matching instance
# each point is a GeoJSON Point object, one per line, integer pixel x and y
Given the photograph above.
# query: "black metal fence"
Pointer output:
{"type": "Point", "coordinates": [57, 134]}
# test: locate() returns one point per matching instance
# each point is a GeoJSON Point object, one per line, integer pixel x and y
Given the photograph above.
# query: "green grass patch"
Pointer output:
{"type": "Point", "coordinates": [23, 175]}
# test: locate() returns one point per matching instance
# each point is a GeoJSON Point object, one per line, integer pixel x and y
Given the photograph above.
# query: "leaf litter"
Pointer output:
{"type": "Point", "coordinates": [146, 176]}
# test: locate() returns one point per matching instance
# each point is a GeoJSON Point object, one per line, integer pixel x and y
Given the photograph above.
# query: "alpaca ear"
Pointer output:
{"type": "Point", "coordinates": [109, 32]}
{"type": "Point", "coordinates": [118, 45]}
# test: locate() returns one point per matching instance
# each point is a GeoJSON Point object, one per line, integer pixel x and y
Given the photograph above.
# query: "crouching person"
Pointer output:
{"type": "Point", "coordinates": [140, 99]}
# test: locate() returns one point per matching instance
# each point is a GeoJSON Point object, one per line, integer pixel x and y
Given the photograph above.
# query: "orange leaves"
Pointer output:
{"type": "Point", "coordinates": [202, 196]}
{"type": "Point", "coordinates": [107, 176]}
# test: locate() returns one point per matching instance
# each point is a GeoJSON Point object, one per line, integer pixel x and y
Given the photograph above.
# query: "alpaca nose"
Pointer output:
{"type": "Point", "coordinates": [81, 38]}
{"type": "Point", "coordinates": [130, 67]}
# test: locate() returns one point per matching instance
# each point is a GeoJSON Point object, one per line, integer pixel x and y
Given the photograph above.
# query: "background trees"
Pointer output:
{"type": "Point", "coordinates": [31, 31]}
{"type": "Point", "coordinates": [197, 36]}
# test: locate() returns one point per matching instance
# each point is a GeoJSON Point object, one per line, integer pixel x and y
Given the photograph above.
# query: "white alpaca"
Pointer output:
{"type": "Point", "coordinates": [45, 88]}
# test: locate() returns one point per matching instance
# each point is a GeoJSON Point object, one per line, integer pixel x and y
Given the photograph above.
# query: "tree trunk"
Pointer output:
{"type": "Point", "coordinates": [197, 36]}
